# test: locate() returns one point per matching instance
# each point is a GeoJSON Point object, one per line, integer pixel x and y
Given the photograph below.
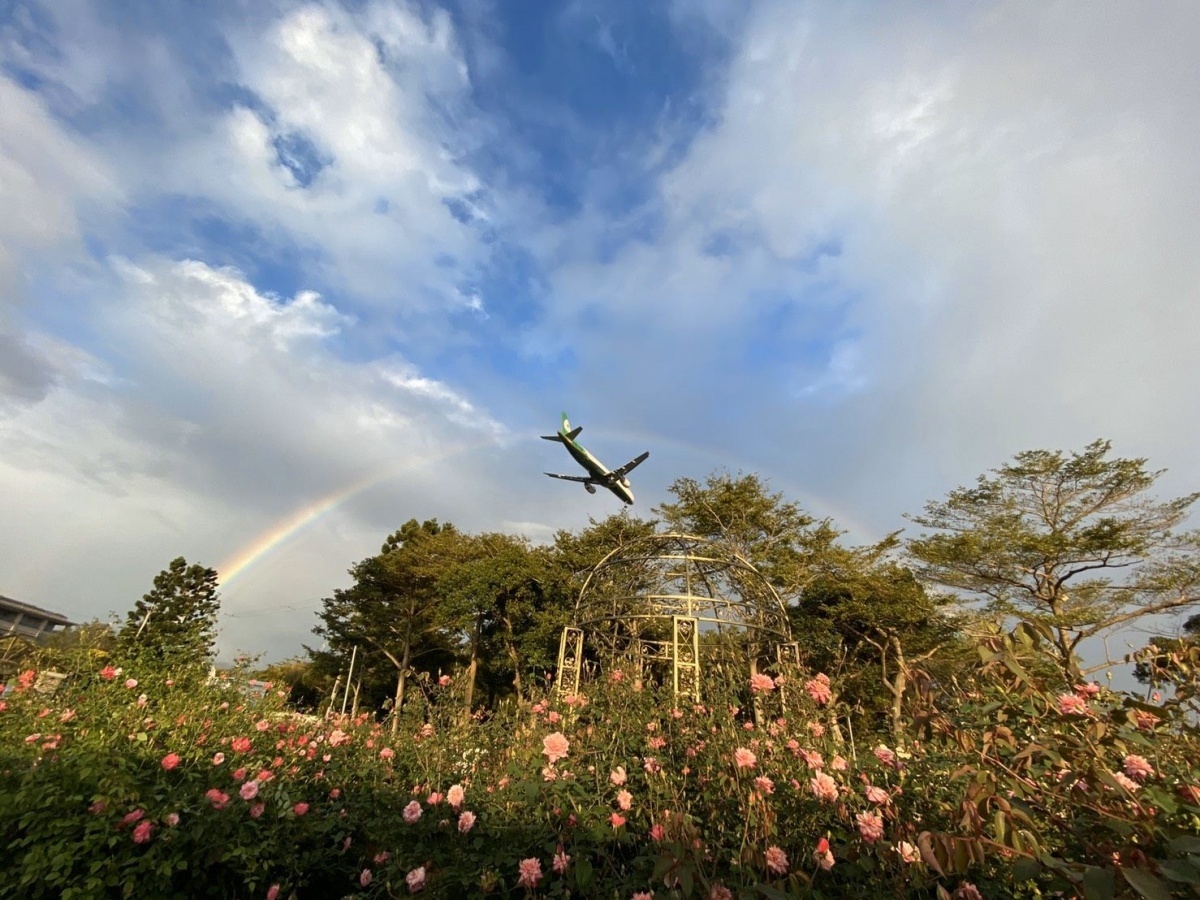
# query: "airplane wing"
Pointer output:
{"type": "Point", "coordinates": [578, 478]}
{"type": "Point", "coordinates": [631, 465]}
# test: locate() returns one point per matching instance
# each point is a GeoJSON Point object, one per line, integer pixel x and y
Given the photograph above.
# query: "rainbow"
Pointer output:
{"type": "Point", "coordinates": [282, 531]}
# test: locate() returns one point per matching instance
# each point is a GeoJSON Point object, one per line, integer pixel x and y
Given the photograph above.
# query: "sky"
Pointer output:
{"type": "Point", "coordinates": [276, 277]}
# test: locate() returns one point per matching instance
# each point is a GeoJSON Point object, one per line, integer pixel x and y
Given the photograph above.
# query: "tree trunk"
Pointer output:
{"type": "Point", "coordinates": [401, 681]}
{"type": "Point", "coordinates": [510, 644]}
{"type": "Point", "coordinates": [898, 686]}
{"type": "Point", "coordinates": [473, 668]}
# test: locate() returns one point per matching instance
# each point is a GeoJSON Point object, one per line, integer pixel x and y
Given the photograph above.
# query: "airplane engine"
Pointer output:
{"type": "Point", "coordinates": [591, 488]}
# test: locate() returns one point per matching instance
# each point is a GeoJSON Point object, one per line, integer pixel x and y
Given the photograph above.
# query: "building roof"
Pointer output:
{"type": "Point", "coordinates": [7, 604]}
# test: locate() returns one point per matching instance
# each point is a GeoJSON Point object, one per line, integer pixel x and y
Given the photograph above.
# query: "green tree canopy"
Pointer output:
{"type": "Point", "coordinates": [509, 615]}
{"type": "Point", "coordinates": [176, 623]}
{"type": "Point", "coordinates": [1070, 543]}
{"type": "Point", "coordinates": [866, 619]}
{"type": "Point", "coordinates": [786, 544]}
{"type": "Point", "coordinates": [393, 612]}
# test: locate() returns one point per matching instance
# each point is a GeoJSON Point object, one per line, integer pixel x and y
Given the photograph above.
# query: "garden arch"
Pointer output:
{"type": "Point", "coordinates": [656, 600]}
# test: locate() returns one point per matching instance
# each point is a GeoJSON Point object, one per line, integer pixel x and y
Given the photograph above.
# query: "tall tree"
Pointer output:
{"type": "Point", "coordinates": [176, 622]}
{"type": "Point", "coordinates": [393, 611]}
{"type": "Point", "coordinates": [782, 541]}
{"type": "Point", "coordinates": [575, 554]}
{"type": "Point", "coordinates": [1070, 543]}
{"type": "Point", "coordinates": [508, 612]}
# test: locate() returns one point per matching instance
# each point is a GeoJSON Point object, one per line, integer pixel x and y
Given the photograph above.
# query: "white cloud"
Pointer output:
{"type": "Point", "coordinates": [355, 154]}
{"type": "Point", "coordinates": [48, 182]}
{"type": "Point", "coordinates": [220, 411]}
{"type": "Point", "coordinates": [1011, 190]}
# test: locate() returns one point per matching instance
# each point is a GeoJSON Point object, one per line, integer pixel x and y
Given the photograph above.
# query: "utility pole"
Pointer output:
{"type": "Point", "coordinates": [349, 678]}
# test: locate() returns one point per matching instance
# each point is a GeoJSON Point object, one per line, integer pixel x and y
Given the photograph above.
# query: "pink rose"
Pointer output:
{"type": "Point", "coordinates": [760, 683]}
{"type": "Point", "coordinates": [745, 759]}
{"type": "Point", "coordinates": [466, 821]}
{"type": "Point", "coordinates": [219, 799]}
{"type": "Point", "coordinates": [456, 795]}
{"type": "Point", "coordinates": [824, 788]}
{"type": "Point", "coordinates": [1072, 705]}
{"type": "Point", "coordinates": [777, 861]}
{"type": "Point", "coordinates": [249, 790]}
{"type": "Point", "coordinates": [1138, 767]}
{"type": "Point", "coordinates": [823, 856]}
{"type": "Point", "coordinates": [412, 812]}
{"type": "Point", "coordinates": [818, 688]}
{"type": "Point", "coordinates": [415, 880]}
{"type": "Point", "coordinates": [870, 826]}
{"type": "Point", "coordinates": [618, 776]}
{"type": "Point", "coordinates": [531, 872]}
{"type": "Point", "coordinates": [170, 761]}
{"type": "Point", "coordinates": [554, 747]}
{"type": "Point", "coordinates": [141, 833]}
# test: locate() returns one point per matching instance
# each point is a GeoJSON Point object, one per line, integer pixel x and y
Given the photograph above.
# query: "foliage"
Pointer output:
{"type": "Point", "coordinates": [393, 613]}
{"type": "Point", "coordinates": [1070, 543]}
{"type": "Point", "coordinates": [503, 607]}
{"type": "Point", "coordinates": [130, 783]}
{"type": "Point", "coordinates": [786, 544]}
{"type": "Point", "coordinates": [1174, 662]}
{"type": "Point", "coordinates": [869, 620]}
{"type": "Point", "coordinates": [176, 622]}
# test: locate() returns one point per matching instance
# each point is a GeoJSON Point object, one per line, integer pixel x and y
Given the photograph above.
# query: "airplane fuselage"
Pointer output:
{"type": "Point", "coordinates": [598, 474]}
{"type": "Point", "coordinates": [598, 471]}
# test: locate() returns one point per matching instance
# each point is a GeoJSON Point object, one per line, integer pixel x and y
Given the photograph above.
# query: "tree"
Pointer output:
{"type": "Point", "coordinates": [786, 544]}
{"type": "Point", "coordinates": [576, 554]}
{"type": "Point", "coordinates": [1071, 544]}
{"type": "Point", "coordinates": [176, 623]}
{"type": "Point", "coordinates": [508, 613]}
{"type": "Point", "coordinates": [867, 618]}
{"type": "Point", "coordinates": [393, 611]}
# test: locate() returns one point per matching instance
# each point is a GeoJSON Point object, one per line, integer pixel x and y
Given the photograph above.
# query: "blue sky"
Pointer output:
{"type": "Point", "coordinates": [255, 255]}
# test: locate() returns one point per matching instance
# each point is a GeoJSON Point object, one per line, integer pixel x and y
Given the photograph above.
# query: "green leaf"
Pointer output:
{"type": "Point", "coordinates": [1146, 885]}
{"type": "Point", "coordinates": [1026, 869]}
{"type": "Point", "coordinates": [1098, 883]}
{"type": "Point", "coordinates": [583, 873]}
{"type": "Point", "coordinates": [1183, 870]}
{"type": "Point", "coordinates": [1185, 843]}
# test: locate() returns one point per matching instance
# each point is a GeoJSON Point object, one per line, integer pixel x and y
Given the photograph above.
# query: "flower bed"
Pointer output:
{"type": "Point", "coordinates": [141, 784]}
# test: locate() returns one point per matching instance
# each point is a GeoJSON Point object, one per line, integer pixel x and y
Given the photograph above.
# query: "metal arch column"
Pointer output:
{"type": "Point", "coordinates": [788, 656]}
{"type": "Point", "coordinates": [570, 661]}
{"type": "Point", "coordinates": [685, 656]}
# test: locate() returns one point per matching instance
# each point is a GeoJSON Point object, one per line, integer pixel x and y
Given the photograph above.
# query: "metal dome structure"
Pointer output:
{"type": "Point", "coordinates": [652, 599]}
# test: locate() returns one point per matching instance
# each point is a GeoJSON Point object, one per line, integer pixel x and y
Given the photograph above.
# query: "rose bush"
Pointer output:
{"type": "Point", "coordinates": [179, 787]}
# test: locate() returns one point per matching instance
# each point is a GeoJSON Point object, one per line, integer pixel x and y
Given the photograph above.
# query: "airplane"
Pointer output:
{"type": "Point", "coordinates": [616, 480]}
